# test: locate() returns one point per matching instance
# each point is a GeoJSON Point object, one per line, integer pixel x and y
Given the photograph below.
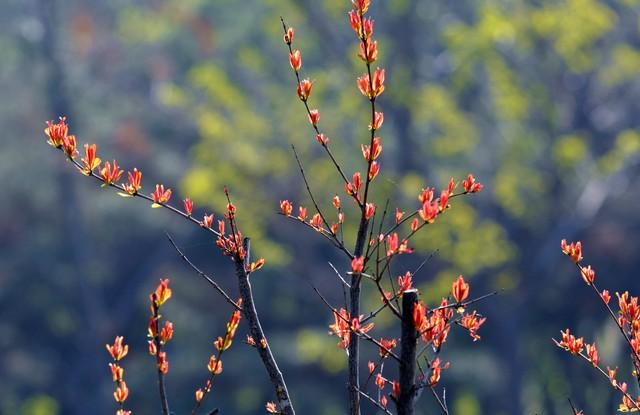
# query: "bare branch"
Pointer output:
{"type": "Point", "coordinates": [203, 275]}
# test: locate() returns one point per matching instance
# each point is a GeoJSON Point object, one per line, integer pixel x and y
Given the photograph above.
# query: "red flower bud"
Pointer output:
{"type": "Point", "coordinates": [460, 290]}
{"type": "Point", "coordinates": [121, 393]}
{"type": "Point", "coordinates": [588, 274]}
{"type": "Point", "coordinates": [57, 132]}
{"type": "Point", "coordinates": [288, 36]}
{"type": "Point", "coordinates": [357, 265]}
{"type": "Point", "coordinates": [470, 185]}
{"type": "Point", "coordinates": [207, 221]}
{"type": "Point", "coordinates": [286, 207]}
{"type": "Point", "coordinates": [369, 210]}
{"type": "Point", "coordinates": [314, 117]}
{"type": "Point", "coordinates": [322, 139]}
{"type": "Point", "coordinates": [188, 206]}
{"type": "Point", "coordinates": [160, 196]}
{"type": "Point", "coordinates": [336, 202]}
{"type": "Point", "coordinates": [369, 53]}
{"type": "Point", "coordinates": [304, 89]}
{"type": "Point", "coordinates": [135, 182]}
{"type": "Point", "coordinates": [118, 350]}
{"type": "Point", "coordinates": [110, 173]}
{"type": "Point", "coordinates": [378, 119]}
{"type": "Point", "coordinates": [302, 213]}
{"type": "Point", "coordinates": [573, 250]}
{"type": "Point", "coordinates": [90, 161]}
{"type": "Point", "coordinates": [373, 170]}
{"type": "Point", "coordinates": [295, 60]}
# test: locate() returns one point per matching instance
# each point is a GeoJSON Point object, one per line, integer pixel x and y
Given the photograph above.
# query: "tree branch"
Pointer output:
{"type": "Point", "coordinates": [250, 313]}
{"type": "Point", "coordinates": [203, 275]}
{"type": "Point", "coordinates": [408, 345]}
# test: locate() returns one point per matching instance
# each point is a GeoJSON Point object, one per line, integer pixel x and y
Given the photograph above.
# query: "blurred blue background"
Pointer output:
{"type": "Point", "coordinates": [540, 98]}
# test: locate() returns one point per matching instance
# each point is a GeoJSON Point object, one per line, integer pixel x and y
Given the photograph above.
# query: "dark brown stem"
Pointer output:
{"type": "Point", "coordinates": [603, 373]}
{"type": "Point", "coordinates": [210, 280]}
{"type": "Point", "coordinates": [250, 313]}
{"type": "Point", "coordinates": [306, 106]}
{"type": "Point", "coordinates": [573, 408]}
{"type": "Point", "coordinates": [441, 402]}
{"type": "Point", "coordinates": [208, 384]}
{"type": "Point", "coordinates": [408, 345]}
{"type": "Point", "coordinates": [164, 403]}
{"type": "Point", "coordinates": [376, 403]}
{"type": "Point", "coordinates": [358, 333]}
{"type": "Point", "coordinates": [354, 309]}
{"type": "Point", "coordinates": [333, 236]}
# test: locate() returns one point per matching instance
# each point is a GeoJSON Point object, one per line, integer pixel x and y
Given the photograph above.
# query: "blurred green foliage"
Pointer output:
{"type": "Point", "coordinates": [539, 98]}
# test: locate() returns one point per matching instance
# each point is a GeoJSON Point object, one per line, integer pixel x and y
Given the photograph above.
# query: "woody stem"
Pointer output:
{"type": "Point", "coordinates": [255, 328]}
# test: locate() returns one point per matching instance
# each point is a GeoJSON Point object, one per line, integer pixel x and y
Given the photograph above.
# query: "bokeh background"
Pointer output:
{"type": "Point", "coordinates": [540, 98]}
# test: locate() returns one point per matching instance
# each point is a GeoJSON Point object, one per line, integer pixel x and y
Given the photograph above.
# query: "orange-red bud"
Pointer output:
{"type": "Point", "coordinates": [374, 169]}
{"type": "Point", "coordinates": [110, 173]}
{"type": "Point", "coordinates": [378, 120]}
{"type": "Point", "coordinates": [573, 250]}
{"type": "Point", "coordinates": [470, 185]}
{"type": "Point", "coordinates": [322, 139]}
{"type": "Point", "coordinates": [207, 221]}
{"type": "Point", "coordinates": [135, 182]}
{"type": "Point", "coordinates": [118, 350]}
{"type": "Point", "coordinates": [90, 161]}
{"type": "Point", "coordinates": [588, 274]}
{"type": "Point", "coordinates": [304, 89]}
{"type": "Point", "coordinates": [288, 36]}
{"type": "Point", "coordinates": [357, 264]}
{"type": "Point", "coordinates": [57, 132]}
{"type": "Point", "coordinates": [460, 290]}
{"type": "Point", "coordinates": [117, 372]}
{"type": "Point", "coordinates": [162, 293]}
{"type": "Point", "coordinates": [214, 366]}
{"type": "Point", "coordinates": [314, 117]}
{"type": "Point", "coordinates": [369, 210]}
{"type": "Point", "coordinates": [286, 207]}
{"type": "Point", "coordinates": [160, 196]}
{"type": "Point", "coordinates": [188, 206]}
{"type": "Point", "coordinates": [121, 393]}
{"type": "Point", "coordinates": [295, 60]}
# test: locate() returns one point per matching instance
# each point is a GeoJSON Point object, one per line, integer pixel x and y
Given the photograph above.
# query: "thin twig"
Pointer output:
{"type": "Point", "coordinates": [357, 333]}
{"type": "Point", "coordinates": [573, 408]}
{"type": "Point", "coordinates": [344, 285]}
{"type": "Point", "coordinates": [338, 243]}
{"type": "Point", "coordinates": [373, 401]}
{"type": "Point", "coordinates": [255, 328]}
{"type": "Point", "coordinates": [445, 411]}
{"type": "Point", "coordinates": [164, 403]}
{"type": "Point", "coordinates": [315, 127]}
{"type": "Point", "coordinates": [210, 280]}
{"type": "Point", "coordinates": [616, 386]}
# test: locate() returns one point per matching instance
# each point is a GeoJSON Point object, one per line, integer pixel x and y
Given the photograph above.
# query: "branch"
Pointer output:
{"type": "Point", "coordinates": [573, 408]}
{"type": "Point", "coordinates": [156, 339]}
{"type": "Point", "coordinates": [203, 275]}
{"type": "Point", "coordinates": [357, 333]}
{"type": "Point", "coordinates": [408, 344]}
{"type": "Point", "coordinates": [315, 127]}
{"type": "Point", "coordinates": [122, 190]}
{"type": "Point", "coordinates": [376, 403]}
{"type": "Point", "coordinates": [250, 313]}
{"type": "Point", "coordinates": [615, 386]}
{"type": "Point", "coordinates": [442, 402]}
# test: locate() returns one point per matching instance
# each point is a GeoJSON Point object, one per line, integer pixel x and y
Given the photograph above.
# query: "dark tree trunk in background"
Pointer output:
{"type": "Point", "coordinates": [408, 345]}
{"type": "Point", "coordinates": [81, 369]}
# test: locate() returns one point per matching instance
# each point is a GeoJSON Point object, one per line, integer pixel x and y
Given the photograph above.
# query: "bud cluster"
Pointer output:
{"type": "Point", "coordinates": [118, 350]}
